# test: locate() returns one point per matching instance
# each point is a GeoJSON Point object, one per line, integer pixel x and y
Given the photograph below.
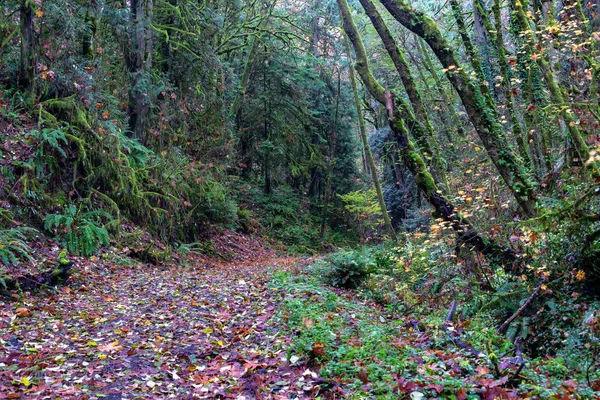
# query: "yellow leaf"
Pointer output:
{"type": "Point", "coordinates": [208, 331]}
{"type": "Point", "coordinates": [39, 13]}
{"type": "Point", "coordinates": [25, 381]}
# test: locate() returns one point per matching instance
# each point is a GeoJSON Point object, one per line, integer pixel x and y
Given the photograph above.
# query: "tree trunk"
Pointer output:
{"type": "Point", "coordinates": [315, 173]}
{"type": "Point", "coordinates": [367, 151]}
{"type": "Point", "coordinates": [482, 117]}
{"type": "Point", "coordinates": [27, 71]}
{"type": "Point", "coordinates": [556, 93]}
{"type": "Point", "coordinates": [411, 157]}
{"type": "Point", "coordinates": [505, 84]}
{"type": "Point", "coordinates": [331, 167]}
{"type": "Point", "coordinates": [420, 126]}
{"type": "Point", "coordinates": [241, 93]}
{"type": "Point", "coordinates": [472, 54]}
{"type": "Point", "coordinates": [458, 124]}
{"type": "Point", "coordinates": [140, 61]}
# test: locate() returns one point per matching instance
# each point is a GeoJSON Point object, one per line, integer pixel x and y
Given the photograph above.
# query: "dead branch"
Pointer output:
{"type": "Point", "coordinates": [517, 313]}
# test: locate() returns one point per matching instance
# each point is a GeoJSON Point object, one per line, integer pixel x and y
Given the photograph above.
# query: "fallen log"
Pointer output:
{"type": "Point", "coordinates": [51, 277]}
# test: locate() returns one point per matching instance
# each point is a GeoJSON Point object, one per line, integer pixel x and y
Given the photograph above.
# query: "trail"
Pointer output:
{"type": "Point", "coordinates": [135, 331]}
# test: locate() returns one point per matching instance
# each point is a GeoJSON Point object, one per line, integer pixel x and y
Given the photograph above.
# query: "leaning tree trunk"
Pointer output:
{"type": "Point", "coordinates": [472, 54]}
{"type": "Point", "coordinates": [484, 119]}
{"type": "Point", "coordinates": [556, 93]}
{"type": "Point", "coordinates": [367, 150]}
{"type": "Point", "coordinates": [419, 123]}
{"type": "Point", "coordinates": [497, 36]}
{"type": "Point", "coordinates": [447, 101]}
{"type": "Point", "coordinates": [412, 159]}
{"type": "Point", "coordinates": [532, 88]}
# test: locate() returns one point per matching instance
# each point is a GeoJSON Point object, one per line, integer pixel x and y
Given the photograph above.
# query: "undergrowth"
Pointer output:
{"type": "Point", "coordinates": [400, 350]}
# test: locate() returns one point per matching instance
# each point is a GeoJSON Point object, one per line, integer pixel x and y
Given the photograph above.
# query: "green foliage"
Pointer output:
{"type": "Point", "coordinates": [13, 245]}
{"type": "Point", "coordinates": [82, 231]}
{"type": "Point", "coordinates": [348, 269]}
{"type": "Point", "coordinates": [362, 202]}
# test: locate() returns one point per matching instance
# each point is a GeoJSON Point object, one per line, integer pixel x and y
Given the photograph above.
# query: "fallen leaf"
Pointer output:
{"type": "Point", "coordinates": [23, 312]}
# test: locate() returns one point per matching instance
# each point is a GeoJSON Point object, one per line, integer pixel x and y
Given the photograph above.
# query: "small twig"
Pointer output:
{"type": "Point", "coordinates": [516, 375]}
{"type": "Point", "coordinates": [451, 312]}
{"type": "Point", "coordinates": [517, 313]}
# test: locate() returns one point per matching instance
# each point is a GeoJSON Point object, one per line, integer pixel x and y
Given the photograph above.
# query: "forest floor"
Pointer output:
{"type": "Point", "coordinates": [256, 326]}
{"type": "Point", "coordinates": [120, 329]}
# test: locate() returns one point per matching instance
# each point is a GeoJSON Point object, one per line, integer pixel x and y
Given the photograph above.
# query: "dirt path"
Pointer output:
{"type": "Point", "coordinates": [124, 332]}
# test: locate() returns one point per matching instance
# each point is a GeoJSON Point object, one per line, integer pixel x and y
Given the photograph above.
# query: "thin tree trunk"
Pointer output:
{"type": "Point", "coordinates": [498, 38]}
{"type": "Point", "coordinates": [267, 135]}
{"type": "Point", "coordinates": [315, 174]}
{"type": "Point", "coordinates": [332, 150]}
{"type": "Point", "coordinates": [484, 119]}
{"type": "Point", "coordinates": [556, 92]}
{"type": "Point", "coordinates": [460, 130]}
{"type": "Point", "coordinates": [140, 62]}
{"type": "Point", "coordinates": [254, 46]}
{"type": "Point", "coordinates": [472, 54]}
{"type": "Point", "coordinates": [367, 150]}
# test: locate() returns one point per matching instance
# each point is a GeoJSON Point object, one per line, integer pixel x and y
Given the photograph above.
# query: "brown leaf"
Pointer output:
{"type": "Point", "coordinates": [23, 312]}
{"type": "Point", "coordinates": [318, 349]}
{"type": "Point", "coordinates": [363, 376]}
{"type": "Point", "coordinates": [307, 322]}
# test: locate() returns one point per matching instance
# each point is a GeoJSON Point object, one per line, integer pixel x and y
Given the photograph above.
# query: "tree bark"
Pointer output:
{"type": "Point", "coordinates": [140, 61]}
{"type": "Point", "coordinates": [331, 167]}
{"type": "Point", "coordinates": [556, 93]}
{"type": "Point", "coordinates": [419, 123]}
{"type": "Point", "coordinates": [27, 66]}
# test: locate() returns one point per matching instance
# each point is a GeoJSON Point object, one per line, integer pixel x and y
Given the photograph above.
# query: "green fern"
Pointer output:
{"type": "Point", "coordinates": [13, 246]}
{"type": "Point", "coordinates": [82, 232]}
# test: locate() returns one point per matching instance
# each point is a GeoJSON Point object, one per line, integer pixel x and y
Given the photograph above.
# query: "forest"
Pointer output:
{"type": "Point", "coordinates": [300, 199]}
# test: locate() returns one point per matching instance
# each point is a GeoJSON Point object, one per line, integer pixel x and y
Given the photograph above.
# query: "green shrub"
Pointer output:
{"type": "Point", "coordinates": [82, 232]}
{"type": "Point", "coordinates": [348, 269]}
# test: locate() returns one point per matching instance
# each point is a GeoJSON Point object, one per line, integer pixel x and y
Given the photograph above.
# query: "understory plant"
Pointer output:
{"type": "Point", "coordinates": [83, 232]}
{"type": "Point", "coordinates": [13, 245]}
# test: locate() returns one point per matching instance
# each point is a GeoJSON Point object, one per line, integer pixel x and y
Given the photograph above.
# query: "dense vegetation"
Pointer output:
{"type": "Point", "coordinates": [446, 154]}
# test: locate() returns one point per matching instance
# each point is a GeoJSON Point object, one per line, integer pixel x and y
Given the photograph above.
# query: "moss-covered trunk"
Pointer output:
{"type": "Point", "coordinates": [411, 158]}
{"type": "Point", "coordinates": [367, 149]}
{"type": "Point", "coordinates": [418, 122]}
{"type": "Point", "coordinates": [558, 97]}
{"type": "Point", "coordinates": [483, 118]}
{"type": "Point", "coordinates": [27, 45]}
